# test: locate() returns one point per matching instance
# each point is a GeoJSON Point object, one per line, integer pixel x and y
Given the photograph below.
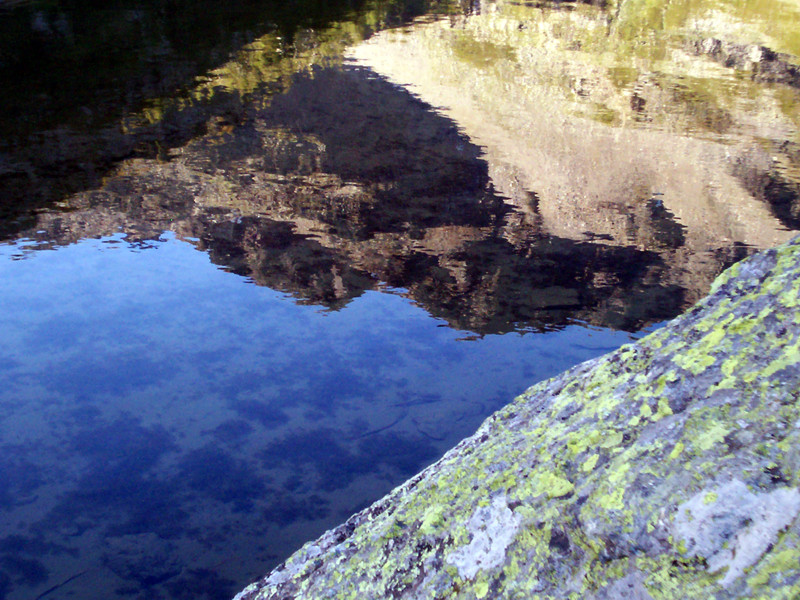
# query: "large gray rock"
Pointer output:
{"type": "Point", "coordinates": [666, 469]}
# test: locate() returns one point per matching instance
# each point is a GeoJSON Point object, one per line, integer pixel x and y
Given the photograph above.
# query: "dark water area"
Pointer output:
{"type": "Point", "coordinates": [257, 269]}
{"type": "Point", "coordinates": [74, 73]}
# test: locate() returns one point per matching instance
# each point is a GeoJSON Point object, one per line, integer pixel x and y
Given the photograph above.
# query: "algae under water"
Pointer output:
{"type": "Point", "coordinates": [262, 263]}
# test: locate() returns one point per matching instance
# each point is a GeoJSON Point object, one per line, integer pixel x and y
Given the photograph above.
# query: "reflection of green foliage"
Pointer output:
{"type": "Point", "coordinates": [81, 63]}
{"type": "Point", "coordinates": [629, 47]}
{"type": "Point", "coordinates": [480, 52]}
{"type": "Point", "coordinates": [774, 23]}
{"type": "Point", "coordinates": [780, 20]}
{"type": "Point", "coordinates": [272, 60]}
{"type": "Point", "coordinates": [623, 76]}
{"type": "Point", "coordinates": [84, 65]}
{"type": "Point", "coordinates": [603, 114]}
{"type": "Point", "coordinates": [789, 102]}
{"type": "Point", "coordinates": [638, 18]}
{"type": "Point", "coordinates": [700, 101]}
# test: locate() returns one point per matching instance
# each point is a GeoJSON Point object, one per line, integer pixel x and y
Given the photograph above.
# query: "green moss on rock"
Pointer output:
{"type": "Point", "coordinates": [667, 469]}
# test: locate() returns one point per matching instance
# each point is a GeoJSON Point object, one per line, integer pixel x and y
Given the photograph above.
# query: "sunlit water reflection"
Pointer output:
{"type": "Point", "coordinates": [171, 430]}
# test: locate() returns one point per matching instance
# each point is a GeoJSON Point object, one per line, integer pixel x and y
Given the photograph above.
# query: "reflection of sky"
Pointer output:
{"type": "Point", "coordinates": [143, 376]}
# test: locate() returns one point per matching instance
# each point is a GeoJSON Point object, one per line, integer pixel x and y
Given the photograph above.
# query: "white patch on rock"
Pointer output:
{"type": "Point", "coordinates": [493, 529]}
{"type": "Point", "coordinates": [733, 527]}
{"type": "Point", "coordinates": [629, 587]}
{"type": "Point", "coordinates": [293, 567]}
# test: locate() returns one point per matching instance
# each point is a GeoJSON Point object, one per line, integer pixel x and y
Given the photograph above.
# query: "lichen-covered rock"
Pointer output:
{"type": "Point", "coordinates": [667, 469]}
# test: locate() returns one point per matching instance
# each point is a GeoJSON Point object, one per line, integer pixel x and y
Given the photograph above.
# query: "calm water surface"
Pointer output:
{"type": "Point", "coordinates": [170, 429]}
{"type": "Point", "coordinates": [261, 264]}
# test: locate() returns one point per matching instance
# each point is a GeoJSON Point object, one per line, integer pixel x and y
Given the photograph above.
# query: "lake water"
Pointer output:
{"type": "Point", "coordinates": [261, 263]}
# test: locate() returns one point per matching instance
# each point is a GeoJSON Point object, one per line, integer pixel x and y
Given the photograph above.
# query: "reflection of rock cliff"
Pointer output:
{"type": "Point", "coordinates": [597, 125]}
{"type": "Point", "coordinates": [345, 183]}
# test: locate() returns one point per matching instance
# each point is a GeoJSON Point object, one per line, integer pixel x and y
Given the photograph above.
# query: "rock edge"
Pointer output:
{"type": "Point", "coordinates": [667, 469]}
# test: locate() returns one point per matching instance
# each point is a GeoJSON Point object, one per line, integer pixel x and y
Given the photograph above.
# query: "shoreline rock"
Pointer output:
{"type": "Point", "coordinates": [666, 469]}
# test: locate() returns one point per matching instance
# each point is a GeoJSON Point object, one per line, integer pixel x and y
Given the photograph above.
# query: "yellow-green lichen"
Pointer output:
{"type": "Point", "coordinates": [588, 470]}
{"type": "Point", "coordinates": [432, 520]}
{"type": "Point", "coordinates": [590, 463]}
{"type": "Point", "coordinates": [779, 563]}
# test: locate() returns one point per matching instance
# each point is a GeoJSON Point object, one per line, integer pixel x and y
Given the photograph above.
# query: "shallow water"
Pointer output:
{"type": "Point", "coordinates": [168, 426]}
{"type": "Point", "coordinates": [257, 271]}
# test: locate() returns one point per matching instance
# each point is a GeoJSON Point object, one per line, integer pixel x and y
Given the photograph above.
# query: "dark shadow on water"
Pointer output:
{"type": "Point", "coordinates": [262, 412]}
{"type": "Point", "coordinates": [336, 462]}
{"type": "Point", "coordinates": [232, 432]}
{"type": "Point", "coordinates": [200, 583]}
{"type": "Point", "coordinates": [20, 478]}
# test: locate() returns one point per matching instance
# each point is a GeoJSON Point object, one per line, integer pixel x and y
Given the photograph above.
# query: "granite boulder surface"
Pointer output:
{"type": "Point", "coordinates": [668, 469]}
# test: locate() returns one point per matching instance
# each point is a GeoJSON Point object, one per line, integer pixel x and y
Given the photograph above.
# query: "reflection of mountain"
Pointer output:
{"type": "Point", "coordinates": [345, 183]}
{"type": "Point", "coordinates": [601, 191]}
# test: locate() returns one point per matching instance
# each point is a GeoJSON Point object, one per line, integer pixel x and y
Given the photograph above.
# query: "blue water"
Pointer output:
{"type": "Point", "coordinates": [171, 430]}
